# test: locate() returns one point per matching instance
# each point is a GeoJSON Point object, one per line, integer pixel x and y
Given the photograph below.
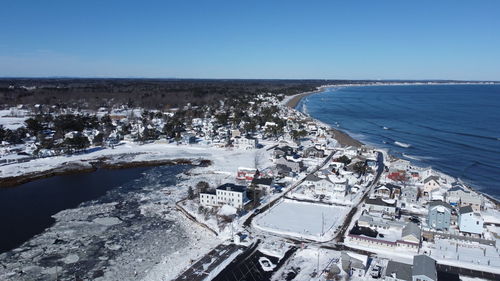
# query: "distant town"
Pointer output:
{"type": "Point", "coordinates": [284, 196]}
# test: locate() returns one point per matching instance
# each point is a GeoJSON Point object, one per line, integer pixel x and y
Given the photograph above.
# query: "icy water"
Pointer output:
{"type": "Point", "coordinates": [27, 210]}
{"type": "Point", "coordinates": [453, 128]}
{"type": "Point", "coordinates": [112, 224]}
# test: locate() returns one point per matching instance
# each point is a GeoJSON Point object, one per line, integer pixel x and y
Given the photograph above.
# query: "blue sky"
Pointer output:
{"type": "Point", "coordinates": [252, 39]}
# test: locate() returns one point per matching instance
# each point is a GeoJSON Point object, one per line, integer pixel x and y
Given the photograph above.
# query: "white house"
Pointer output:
{"type": "Point", "coordinates": [459, 196]}
{"type": "Point", "coordinates": [430, 183]}
{"type": "Point", "coordinates": [226, 194]}
{"type": "Point", "coordinates": [378, 205]}
{"type": "Point", "coordinates": [326, 186]}
{"type": "Point", "coordinates": [245, 142]}
{"type": "Point", "coordinates": [469, 221]}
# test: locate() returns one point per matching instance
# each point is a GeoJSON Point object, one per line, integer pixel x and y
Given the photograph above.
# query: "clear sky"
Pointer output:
{"type": "Point", "coordinates": [251, 39]}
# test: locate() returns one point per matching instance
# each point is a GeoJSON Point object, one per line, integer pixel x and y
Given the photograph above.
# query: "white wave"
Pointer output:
{"type": "Point", "coordinates": [402, 144]}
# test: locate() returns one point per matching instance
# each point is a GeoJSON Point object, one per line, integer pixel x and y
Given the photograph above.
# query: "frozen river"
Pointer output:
{"type": "Point", "coordinates": [107, 225]}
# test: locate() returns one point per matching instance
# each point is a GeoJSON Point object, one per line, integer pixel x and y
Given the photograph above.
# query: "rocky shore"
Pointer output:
{"type": "Point", "coordinates": [77, 167]}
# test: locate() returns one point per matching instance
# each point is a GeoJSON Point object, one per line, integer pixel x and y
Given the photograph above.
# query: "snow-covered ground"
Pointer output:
{"type": "Point", "coordinates": [226, 160]}
{"type": "Point", "coordinates": [317, 222]}
{"type": "Point", "coordinates": [308, 262]}
{"type": "Point", "coordinates": [12, 118]}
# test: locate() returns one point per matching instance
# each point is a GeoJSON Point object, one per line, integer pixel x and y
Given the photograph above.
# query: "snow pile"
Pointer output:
{"type": "Point", "coordinates": [227, 210]}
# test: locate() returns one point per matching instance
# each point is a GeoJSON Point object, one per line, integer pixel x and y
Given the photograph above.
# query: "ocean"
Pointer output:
{"type": "Point", "coordinates": [453, 128]}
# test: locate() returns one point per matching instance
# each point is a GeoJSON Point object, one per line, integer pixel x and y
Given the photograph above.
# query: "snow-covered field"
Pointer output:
{"type": "Point", "coordinates": [226, 160]}
{"type": "Point", "coordinates": [317, 222]}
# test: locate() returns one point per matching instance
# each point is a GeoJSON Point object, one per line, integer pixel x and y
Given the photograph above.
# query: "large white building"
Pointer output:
{"type": "Point", "coordinates": [226, 194]}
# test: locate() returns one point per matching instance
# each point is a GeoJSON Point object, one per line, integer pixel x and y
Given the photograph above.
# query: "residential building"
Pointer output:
{"type": "Point", "coordinates": [439, 215]}
{"type": "Point", "coordinates": [245, 173]}
{"type": "Point", "coordinates": [378, 205]}
{"type": "Point", "coordinates": [424, 268]}
{"type": "Point", "coordinates": [470, 221]}
{"type": "Point", "coordinates": [411, 233]}
{"type": "Point", "coordinates": [313, 152]}
{"type": "Point", "coordinates": [226, 194]}
{"type": "Point", "coordinates": [245, 142]}
{"type": "Point", "coordinates": [461, 197]}
{"type": "Point", "coordinates": [295, 166]}
{"type": "Point", "coordinates": [430, 183]}
{"type": "Point", "coordinates": [409, 194]}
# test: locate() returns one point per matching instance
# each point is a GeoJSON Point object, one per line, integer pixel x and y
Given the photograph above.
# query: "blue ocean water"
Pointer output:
{"type": "Point", "coordinates": [453, 128]}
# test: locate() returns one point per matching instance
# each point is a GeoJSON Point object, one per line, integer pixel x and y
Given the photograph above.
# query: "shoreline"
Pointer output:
{"type": "Point", "coordinates": [345, 139]}
{"type": "Point", "coordinates": [342, 137]}
{"type": "Point", "coordinates": [76, 167]}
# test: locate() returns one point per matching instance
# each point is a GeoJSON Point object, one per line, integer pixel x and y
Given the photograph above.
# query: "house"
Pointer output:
{"type": "Point", "coordinates": [401, 164]}
{"type": "Point", "coordinates": [461, 197]}
{"type": "Point", "coordinates": [409, 194]}
{"type": "Point", "coordinates": [439, 215]}
{"type": "Point", "coordinates": [283, 151]}
{"type": "Point", "coordinates": [188, 138]}
{"type": "Point", "coordinates": [246, 173]}
{"type": "Point", "coordinates": [282, 170]}
{"type": "Point", "coordinates": [424, 268]}
{"type": "Point", "coordinates": [398, 271]}
{"type": "Point", "coordinates": [263, 184]}
{"type": "Point", "coordinates": [379, 223]}
{"type": "Point", "coordinates": [326, 186]}
{"type": "Point", "coordinates": [354, 264]}
{"type": "Point", "coordinates": [470, 221]}
{"type": "Point", "coordinates": [245, 142]}
{"type": "Point", "coordinates": [296, 167]}
{"type": "Point", "coordinates": [411, 233]}
{"type": "Point", "coordinates": [387, 191]}
{"type": "Point", "coordinates": [226, 194]}
{"type": "Point", "coordinates": [313, 152]}
{"type": "Point", "coordinates": [430, 183]}
{"type": "Point", "coordinates": [378, 205]}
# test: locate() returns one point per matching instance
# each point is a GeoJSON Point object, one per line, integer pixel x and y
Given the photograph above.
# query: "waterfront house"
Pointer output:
{"type": "Point", "coordinates": [430, 183]}
{"type": "Point", "coordinates": [459, 196]}
{"type": "Point", "coordinates": [226, 194]}
{"type": "Point", "coordinates": [439, 215]}
{"type": "Point", "coordinates": [470, 221]}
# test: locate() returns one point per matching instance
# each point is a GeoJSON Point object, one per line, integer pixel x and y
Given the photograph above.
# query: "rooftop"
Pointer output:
{"type": "Point", "coordinates": [232, 187]}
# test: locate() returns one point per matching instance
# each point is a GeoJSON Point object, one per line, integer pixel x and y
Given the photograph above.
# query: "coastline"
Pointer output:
{"type": "Point", "coordinates": [342, 137]}
{"type": "Point", "coordinates": [346, 140]}
{"type": "Point", "coordinates": [77, 167]}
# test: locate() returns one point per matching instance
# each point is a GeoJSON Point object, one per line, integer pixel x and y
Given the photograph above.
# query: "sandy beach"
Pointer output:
{"type": "Point", "coordinates": [343, 138]}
